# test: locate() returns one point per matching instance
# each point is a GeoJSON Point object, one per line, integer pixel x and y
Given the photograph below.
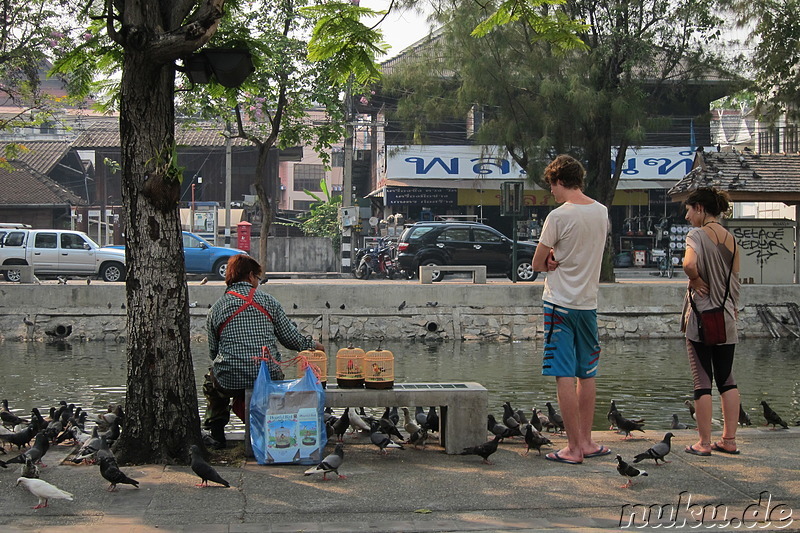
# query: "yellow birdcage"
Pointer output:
{"type": "Point", "coordinates": [379, 369]}
{"type": "Point", "coordinates": [350, 368]}
{"type": "Point", "coordinates": [318, 360]}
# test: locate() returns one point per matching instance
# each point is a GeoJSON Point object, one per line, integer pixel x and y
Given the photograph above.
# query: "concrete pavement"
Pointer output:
{"type": "Point", "coordinates": [426, 490]}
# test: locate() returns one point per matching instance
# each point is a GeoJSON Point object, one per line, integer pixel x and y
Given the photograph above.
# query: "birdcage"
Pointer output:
{"type": "Point", "coordinates": [350, 368]}
{"type": "Point", "coordinates": [379, 369]}
{"type": "Point", "coordinates": [319, 363]}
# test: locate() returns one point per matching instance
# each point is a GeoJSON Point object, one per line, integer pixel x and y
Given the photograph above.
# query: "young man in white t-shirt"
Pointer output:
{"type": "Point", "coordinates": [570, 250]}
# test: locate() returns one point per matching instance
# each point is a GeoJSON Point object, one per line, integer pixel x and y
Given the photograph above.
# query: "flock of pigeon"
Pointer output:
{"type": "Point", "coordinates": [67, 423]}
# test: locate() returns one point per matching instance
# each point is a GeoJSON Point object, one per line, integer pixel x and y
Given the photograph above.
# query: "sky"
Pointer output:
{"type": "Point", "coordinates": [400, 28]}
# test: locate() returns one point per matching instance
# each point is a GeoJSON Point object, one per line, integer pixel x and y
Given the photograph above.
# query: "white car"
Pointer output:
{"type": "Point", "coordinates": [59, 253]}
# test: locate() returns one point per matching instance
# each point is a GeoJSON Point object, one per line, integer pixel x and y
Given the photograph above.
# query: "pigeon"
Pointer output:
{"type": "Point", "coordinates": [328, 305]}
{"type": "Point", "coordinates": [509, 417]}
{"type": "Point", "coordinates": [111, 472]}
{"type": "Point", "coordinates": [772, 417]}
{"type": "Point", "coordinates": [628, 471]}
{"type": "Point", "coordinates": [382, 440]}
{"type": "Point", "coordinates": [29, 469]}
{"type": "Point", "coordinates": [690, 405]}
{"type": "Point", "coordinates": [418, 438]}
{"type": "Point", "coordinates": [678, 425]}
{"type": "Point", "coordinates": [88, 281]}
{"type": "Point", "coordinates": [204, 470]}
{"type": "Point", "coordinates": [341, 424]}
{"type": "Point", "coordinates": [401, 306]}
{"type": "Point", "coordinates": [626, 426]}
{"type": "Point", "coordinates": [501, 430]}
{"type": "Point", "coordinates": [43, 490]}
{"type": "Point", "coordinates": [388, 427]}
{"type": "Point", "coordinates": [27, 321]}
{"type": "Point", "coordinates": [536, 420]}
{"type": "Point", "coordinates": [554, 418]}
{"type": "Point", "coordinates": [431, 304]}
{"type": "Point", "coordinates": [62, 280]}
{"type": "Point", "coordinates": [744, 418]}
{"type": "Point", "coordinates": [330, 463]}
{"type": "Point", "coordinates": [521, 418]}
{"type": "Point", "coordinates": [356, 422]}
{"type": "Point", "coordinates": [20, 438]}
{"type": "Point", "coordinates": [409, 425]}
{"type": "Point", "coordinates": [35, 453]}
{"type": "Point", "coordinates": [612, 411]}
{"type": "Point", "coordinates": [535, 440]}
{"type": "Point", "coordinates": [193, 304]}
{"type": "Point", "coordinates": [657, 451]}
{"type": "Point", "coordinates": [420, 417]}
{"type": "Point", "coordinates": [342, 306]}
{"type": "Point", "coordinates": [294, 306]}
{"type": "Point", "coordinates": [10, 419]}
{"type": "Point", "coordinates": [432, 422]}
{"type": "Point", "coordinates": [484, 450]}
{"type": "Point", "coordinates": [204, 281]}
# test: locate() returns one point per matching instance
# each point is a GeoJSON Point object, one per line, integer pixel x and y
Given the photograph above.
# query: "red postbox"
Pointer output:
{"type": "Point", "coordinates": [243, 235]}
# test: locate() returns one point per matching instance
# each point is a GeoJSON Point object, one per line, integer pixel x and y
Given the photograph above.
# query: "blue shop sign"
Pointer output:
{"type": "Point", "coordinates": [421, 196]}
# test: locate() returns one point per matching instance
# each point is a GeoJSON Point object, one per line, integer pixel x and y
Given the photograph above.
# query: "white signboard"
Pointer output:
{"type": "Point", "coordinates": [491, 162]}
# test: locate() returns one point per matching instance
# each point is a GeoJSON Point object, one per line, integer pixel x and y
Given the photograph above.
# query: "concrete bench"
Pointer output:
{"type": "Point", "coordinates": [478, 272]}
{"type": "Point", "coordinates": [25, 272]}
{"type": "Point", "coordinates": [462, 407]}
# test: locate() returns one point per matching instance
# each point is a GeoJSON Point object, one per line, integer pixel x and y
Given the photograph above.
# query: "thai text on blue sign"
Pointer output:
{"type": "Point", "coordinates": [421, 196]}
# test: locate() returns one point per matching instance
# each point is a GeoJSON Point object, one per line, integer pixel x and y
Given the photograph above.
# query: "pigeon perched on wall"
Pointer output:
{"type": "Point", "coordinates": [772, 417]}
{"type": "Point", "coordinates": [535, 440]}
{"type": "Point", "coordinates": [676, 424]}
{"type": "Point", "coordinates": [331, 463]}
{"type": "Point", "coordinates": [204, 471]}
{"type": "Point", "coordinates": [43, 490]}
{"type": "Point", "coordinates": [34, 453]}
{"type": "Point", "coordinates": [483, 450]}
{"type": "Point", "coordinates": [111, 472]}
{"type": "Point", "coordinates": [628, 471]}
{"type": "Point", "coordinates": [658, 451]}
{"type": "Point", "coordinates": [554, 418]}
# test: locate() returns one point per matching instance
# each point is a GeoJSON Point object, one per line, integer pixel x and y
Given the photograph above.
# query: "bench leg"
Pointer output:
{"type": "Point", "coordinates": [479, 276]}
{"type": "Point", "coordinates": [463, 423]}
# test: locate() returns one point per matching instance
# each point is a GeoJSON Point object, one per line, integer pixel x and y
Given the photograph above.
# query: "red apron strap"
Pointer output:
{"type": "Point", "coordinates": [248, 301]}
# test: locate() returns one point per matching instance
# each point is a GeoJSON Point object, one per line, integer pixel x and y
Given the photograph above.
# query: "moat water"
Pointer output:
{"type": "Point", "coordinates": [647, 378]}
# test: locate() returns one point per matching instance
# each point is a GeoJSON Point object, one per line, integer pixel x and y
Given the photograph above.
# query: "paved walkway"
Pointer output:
{"type": "Point", "coordinates": [427, 490]}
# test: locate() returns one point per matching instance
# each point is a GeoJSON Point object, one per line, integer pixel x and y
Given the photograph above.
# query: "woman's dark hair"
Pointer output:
{"type": "Point", "coordinates": [713, 200]}
{"type": "Point", "coordinates": [567, 170]}
{"type": "Point", "coordinates": [240, 267]}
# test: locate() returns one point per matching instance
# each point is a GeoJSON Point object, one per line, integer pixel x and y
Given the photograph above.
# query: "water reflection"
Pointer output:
{"type": "Point", "coordinates": [648, 379]}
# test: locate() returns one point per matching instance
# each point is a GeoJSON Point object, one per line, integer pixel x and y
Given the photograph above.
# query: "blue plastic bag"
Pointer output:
{"type": "Point", "coordinates": [286, 419]}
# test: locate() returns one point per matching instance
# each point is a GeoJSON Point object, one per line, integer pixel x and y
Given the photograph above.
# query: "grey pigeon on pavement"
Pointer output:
{"type": "Point", "coordinates": [111, 472]}
{"type": "Point", "coordinates": [331, 463]}
{"type": "Point", "coordinates": [483, 450]}
{"type": "Point", "coordinates": [29, 469]}
{"type": "Point", "coordinates": [658, 451]}
{"type": "Point", "coordinates": [744, 418]}
{"type": "Point", "coordinates": [626, 426]}
{"type": "Point", "coordinates": [628, 471]}
{"type": "Point", "coordinates": [772, 417]}
{"type": "Point", "coordinates": [204, 470]}
{"type": "Point", "coordinates": [418, 438]}
{"type": "Point", "coordinates": [382, 440]}
{"type": "Point", "coordinates": [43, 490]}
{"type": "Point", "coordinates": [341, 424]}
{"type": "Point", "coordinates": [10, 419]}
{"type": "Point", "coordinates": [34, 453]}
{"type": "Point", "coordinates": [535, 440]}
{"type": "Point", "coordinates": [690, 405]}
{"type": "Point", "coordinates": [554, 418]}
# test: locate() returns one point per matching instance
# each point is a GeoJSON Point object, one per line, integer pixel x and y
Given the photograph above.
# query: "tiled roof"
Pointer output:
{"type": "Point", "coordinates": [106, 135]}
{"type": "Point", "coordinates": [746, 176]}
{"type": "Point", "coordinates": [27, 182]}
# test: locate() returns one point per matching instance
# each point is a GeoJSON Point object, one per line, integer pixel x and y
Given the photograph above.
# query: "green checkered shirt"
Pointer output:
{"type": "Point", "coordinates": [242, 338]}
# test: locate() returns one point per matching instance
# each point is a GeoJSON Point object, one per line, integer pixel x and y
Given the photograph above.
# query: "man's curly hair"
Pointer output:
{"type": "Point", "coordinates": [567, 170]}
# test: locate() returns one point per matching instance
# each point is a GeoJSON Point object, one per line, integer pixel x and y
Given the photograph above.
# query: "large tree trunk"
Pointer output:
{"type": "Point", "coordinates": [600, 184]}
{"type": "Point", "coordinates": [264, 200]}
{"type": "Point", "coordinates": [162, 418]}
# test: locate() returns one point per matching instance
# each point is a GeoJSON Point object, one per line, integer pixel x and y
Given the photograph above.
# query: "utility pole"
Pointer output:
{"type": "Point", "coordinates": [347, 179]}
{"type": "Point", "coordinates": [228, 170]}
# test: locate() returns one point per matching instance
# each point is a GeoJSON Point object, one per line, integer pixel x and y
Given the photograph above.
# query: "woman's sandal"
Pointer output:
{"type": "Point", "coordinates": [719, 447]}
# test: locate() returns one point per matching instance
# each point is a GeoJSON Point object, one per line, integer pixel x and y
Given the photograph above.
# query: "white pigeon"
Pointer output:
{"type": "Point", "coordinates": [356, 422]}
{"type": "Point", "coordinates": [43, 490]}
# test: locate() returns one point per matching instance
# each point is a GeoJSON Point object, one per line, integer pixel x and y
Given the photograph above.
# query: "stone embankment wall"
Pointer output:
{"type": "Point", "coordinates": [376, 309]}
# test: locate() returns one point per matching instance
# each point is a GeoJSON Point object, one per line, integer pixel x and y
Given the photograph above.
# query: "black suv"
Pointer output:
{"type": "Point", "coordinates": [463, 243]}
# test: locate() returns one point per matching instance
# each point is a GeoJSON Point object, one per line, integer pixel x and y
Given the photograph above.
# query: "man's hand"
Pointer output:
{"type": "Point", "coordinates": [551, 262]}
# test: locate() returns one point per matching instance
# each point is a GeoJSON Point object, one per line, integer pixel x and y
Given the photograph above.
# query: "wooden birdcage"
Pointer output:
{"type": "Point", "coordinates": [319, 361]}
{"type": "Point", "coordinates": [350, 368]}
{"type": "Point", "coordinates": [379, 369]}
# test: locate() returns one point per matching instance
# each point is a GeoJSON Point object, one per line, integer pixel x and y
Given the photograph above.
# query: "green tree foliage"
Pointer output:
{"type": "Point", "coordinates": [303, 57]}
{"type": "Point", "coordinates": [322, 220]}
{"type": "Point", "coordinates": [776, 56]}
{"type": "Point", "coordinates": [32, 32]}
{"type": "Point", "coordinates": [537, 92]}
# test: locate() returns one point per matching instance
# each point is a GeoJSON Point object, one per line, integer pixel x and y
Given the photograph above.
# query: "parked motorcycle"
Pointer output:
{"type": "Point", "coordinates": [378, 258]}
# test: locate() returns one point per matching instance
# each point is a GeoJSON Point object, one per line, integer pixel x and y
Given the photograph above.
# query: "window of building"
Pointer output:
{"type": "Point", "coordinates": [307, 177]}
{"type": "Point", "coordinates": [302, 205]}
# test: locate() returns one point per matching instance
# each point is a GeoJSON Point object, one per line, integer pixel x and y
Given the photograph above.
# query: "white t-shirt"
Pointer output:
{"type": "Point", "coordinates": [577, 234]}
